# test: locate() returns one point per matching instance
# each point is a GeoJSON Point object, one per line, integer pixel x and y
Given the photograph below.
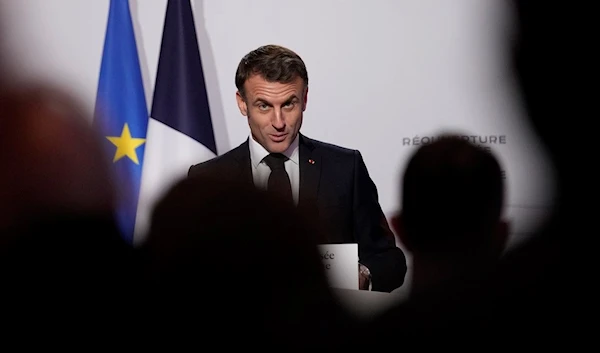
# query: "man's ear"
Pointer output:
{"type": "Point", "coordinates": [398, 227]}
{"type": "Point", "coordinates": [305, 98]}
{"type": "Point", "coordinates": [241, 102]}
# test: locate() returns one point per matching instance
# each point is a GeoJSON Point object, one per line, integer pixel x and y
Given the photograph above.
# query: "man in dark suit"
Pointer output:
{"type": "Point", "coordinates": [328, 183]}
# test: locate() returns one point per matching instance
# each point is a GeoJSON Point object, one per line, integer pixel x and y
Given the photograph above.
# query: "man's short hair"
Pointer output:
{"type": "Point", "coordinates": [272, 62]}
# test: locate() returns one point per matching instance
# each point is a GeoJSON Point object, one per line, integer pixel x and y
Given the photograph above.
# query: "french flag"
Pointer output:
{"type": "Point", "coordinates": [180, 130]}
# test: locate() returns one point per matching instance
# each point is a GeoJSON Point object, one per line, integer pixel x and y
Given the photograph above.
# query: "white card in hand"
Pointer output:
{"type": "Point", "coordinates": [340, 262]}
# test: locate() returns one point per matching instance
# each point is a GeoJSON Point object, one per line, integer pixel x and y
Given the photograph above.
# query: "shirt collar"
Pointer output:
{"type": "Point", "coordinates": [258, 152]}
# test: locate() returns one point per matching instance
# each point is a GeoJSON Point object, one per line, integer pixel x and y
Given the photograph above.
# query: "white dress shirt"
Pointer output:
{"type": "Point", "coordinates": [261, 171]}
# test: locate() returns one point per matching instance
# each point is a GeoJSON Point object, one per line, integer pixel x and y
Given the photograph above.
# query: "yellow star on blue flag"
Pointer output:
{"type": "Point", "coordinates": [126, 145]}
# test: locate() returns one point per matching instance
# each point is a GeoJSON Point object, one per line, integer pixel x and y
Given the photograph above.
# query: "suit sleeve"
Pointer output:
{"type": "Point", "coordinates": [376, 242]}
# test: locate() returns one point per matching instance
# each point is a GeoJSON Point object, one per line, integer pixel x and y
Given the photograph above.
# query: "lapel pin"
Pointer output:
{"type": "Point", "coordinates": [311, 161]}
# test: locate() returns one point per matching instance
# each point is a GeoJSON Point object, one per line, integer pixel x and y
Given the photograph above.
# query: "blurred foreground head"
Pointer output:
{"type": "Point", "coordinates": [51, 158]}
{"type": "Point", "coordinates": [57, 229]}
{"type": "Point", "coordinates": [209, 234]}
{"type": "Point", "coordinates": [452, 201]}
{"type": "Point", "coordinates": [241, 261]}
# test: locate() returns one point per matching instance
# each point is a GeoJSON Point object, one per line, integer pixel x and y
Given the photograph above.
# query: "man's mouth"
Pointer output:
{"type": "Point", "coordinates": [278, 137]}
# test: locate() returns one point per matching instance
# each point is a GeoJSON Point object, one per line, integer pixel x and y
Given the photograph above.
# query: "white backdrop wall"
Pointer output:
{"type": "Point", "coordinates": [385, 75]}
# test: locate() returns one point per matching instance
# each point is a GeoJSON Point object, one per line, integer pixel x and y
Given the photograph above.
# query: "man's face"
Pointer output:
{"type": "Point", "coordinates": [274, 111]}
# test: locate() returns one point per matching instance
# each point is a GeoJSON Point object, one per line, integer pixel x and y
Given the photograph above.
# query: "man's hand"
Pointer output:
{"type": "Point", "coordinates": [364, 277]}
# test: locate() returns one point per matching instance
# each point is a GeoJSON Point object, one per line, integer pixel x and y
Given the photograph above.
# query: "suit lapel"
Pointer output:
{"type": "Point", "coordinates": [310, 171]}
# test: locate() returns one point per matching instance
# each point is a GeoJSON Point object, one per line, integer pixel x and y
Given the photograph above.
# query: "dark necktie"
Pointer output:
{"type": "Point", "coordinates": [279, 180]}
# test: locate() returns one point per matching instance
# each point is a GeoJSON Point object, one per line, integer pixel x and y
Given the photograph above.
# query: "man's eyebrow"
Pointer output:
{"type": "Point", "coordinates": [290, 99]}
{"type": "Point", "coordinates": [262, 101]}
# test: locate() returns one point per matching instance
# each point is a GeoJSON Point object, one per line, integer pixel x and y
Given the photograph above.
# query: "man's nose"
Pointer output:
{"type": "Point", "coordinates": [278, 120]}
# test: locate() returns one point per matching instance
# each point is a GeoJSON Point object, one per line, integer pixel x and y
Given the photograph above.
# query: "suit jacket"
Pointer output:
{"type": "Point", "coordinates": [335, 187]}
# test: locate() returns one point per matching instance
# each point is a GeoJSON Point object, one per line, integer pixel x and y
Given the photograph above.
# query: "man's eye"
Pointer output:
{"type": "Point", "coordinates": [263, 107]}
{"type": "Point", "coordinates": [289, 105]}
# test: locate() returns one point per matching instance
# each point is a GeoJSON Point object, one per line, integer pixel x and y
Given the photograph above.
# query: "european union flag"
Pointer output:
{"type": "Point", "coordinates": [121, 113]}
